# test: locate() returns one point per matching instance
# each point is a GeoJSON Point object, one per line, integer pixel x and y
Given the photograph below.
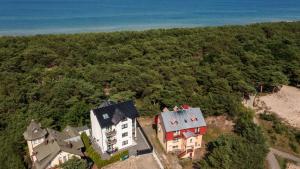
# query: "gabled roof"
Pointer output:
{"type": "Point", "coordinates": [55, 143]}
{"type": "Point", "coordinates": [112, 114]}
{"type": "Point", "coordinates": [34, 131]}
{"type": "Point", "coordinates": [182, 119]}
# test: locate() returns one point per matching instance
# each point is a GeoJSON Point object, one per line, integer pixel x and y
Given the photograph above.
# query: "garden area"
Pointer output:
{"type": "Point", "coordinates": [93, 155]}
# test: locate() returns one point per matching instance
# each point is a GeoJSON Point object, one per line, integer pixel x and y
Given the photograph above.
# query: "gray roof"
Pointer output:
{"type": "Point", "coordinates": [189, 134]}
{"type": "Point", "coordinates": [182, 119]}
{"type": "Point", "coordinates": [55, 143]}
{"type": "Point", "coordinates": [115, 113]}
{"type": "Point", "coordinates": [45, 153]}
{"type": "Point", "coordinates": [34, 131]}
{"type": "Point", "coordinates": [106, 103]}
{"type": "Point", "coordinates": [82, 128]}
{"type": "Point", "coordinates": [74, 131]}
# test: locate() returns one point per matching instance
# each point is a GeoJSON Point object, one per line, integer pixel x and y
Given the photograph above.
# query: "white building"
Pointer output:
{"type": "Point", "coordinates": [114, 125]}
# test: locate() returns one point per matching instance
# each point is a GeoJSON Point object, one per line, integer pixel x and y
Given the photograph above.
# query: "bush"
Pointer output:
{"type": "Point", "coordinates": [268, 116]}
{"type": "Point", "coordinates": [75, 163]}
{"type": "Point", "coordinates": [86, 141]}
{"type": "Point", "coordinates": [91, 152]}
{"type": "Point", "coordinates": [233, 152]}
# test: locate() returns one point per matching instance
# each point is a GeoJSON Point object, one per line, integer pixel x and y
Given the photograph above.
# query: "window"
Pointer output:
{"type": "Point", "coordinates": [175, 140]}
{"type": "Point", "coordinates": [197, 130]}
{"type": "Point", "coordinates": [124, 126]}
{"type": "Point", "coordinates": [125, 142]}
{"type": "Point", "coordinates": [105, 116]}
{"type": "Point", "coordinates": [60, 160]}
{"type": "Point", "coordinates": [65, 158]}
{"type": "Point", "coordinates": [124, 134]}
{"type": "Point", "coordinates": [176, 133]}
{"type": "Point", "coordinates": [175, 147]}
{"type": "Point", "coordinates": [191, 140]}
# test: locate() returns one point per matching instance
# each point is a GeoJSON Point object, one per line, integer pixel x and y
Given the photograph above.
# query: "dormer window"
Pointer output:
{"type": "Point", "coordinates": [174, 122]}
{"type": "Point", "coordinates": [194, 119]}
{"type": "Point", "coordinates": [176, 133]}
{"type": "Point", "coordinates": [197, 130]}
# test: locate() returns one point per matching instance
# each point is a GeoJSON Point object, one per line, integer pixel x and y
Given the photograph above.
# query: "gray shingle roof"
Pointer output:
{"type": "Point", "coordinates": [55, 143]}
{"type": "Point", "coordinates": [34, 131]}
{"type": "Point", "coordinates": [182, 119]}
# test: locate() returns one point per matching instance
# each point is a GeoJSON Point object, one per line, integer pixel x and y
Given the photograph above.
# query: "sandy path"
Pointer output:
{"type": "Point", "coordinates": [285, 103]}
{"type": "Point", "coordinates": [292, 166]}
{"type": "Point", "coordinates": [140, 162]}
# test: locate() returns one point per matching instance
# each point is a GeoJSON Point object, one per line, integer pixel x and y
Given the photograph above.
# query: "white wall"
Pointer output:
{"type": "Point", "coordinates": [34, 143]}
{"type": "Point", "coordinates": [60, 156]}
{"type": "Point", "coordinates": [96, 130]}
{"type": "Point", "coordinates": [119, 130]}
{"type": "Point", "coordinates": [99, 133]}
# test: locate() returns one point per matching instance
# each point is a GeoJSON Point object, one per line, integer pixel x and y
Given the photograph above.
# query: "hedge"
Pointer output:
{"type": "Point", "coordinates": [91, 152]}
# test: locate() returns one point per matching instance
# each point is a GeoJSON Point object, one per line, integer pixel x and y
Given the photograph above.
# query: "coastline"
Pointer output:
{"type": "Point", "coordinates": [135, 28]}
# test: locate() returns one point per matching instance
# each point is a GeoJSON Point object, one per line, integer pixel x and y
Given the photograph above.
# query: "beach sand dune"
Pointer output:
{"type": "Point", "coordinates": [285, 103]}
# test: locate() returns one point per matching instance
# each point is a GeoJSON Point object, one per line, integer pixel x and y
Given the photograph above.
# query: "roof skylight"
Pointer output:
{"type": "Point", "coordinates": [105, 116]}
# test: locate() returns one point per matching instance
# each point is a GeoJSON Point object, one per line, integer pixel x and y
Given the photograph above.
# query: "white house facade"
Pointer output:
{"type": "Point", "coordinates": [114, 125]}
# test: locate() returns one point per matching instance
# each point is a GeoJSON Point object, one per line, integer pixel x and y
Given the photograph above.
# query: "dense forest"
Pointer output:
{"type": "Point", "coordinates": [57, 79]}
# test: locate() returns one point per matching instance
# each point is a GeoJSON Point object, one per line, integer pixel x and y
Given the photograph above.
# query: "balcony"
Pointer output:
{"type": "Point", "coordinates": [111, 141]}
{"type": "Point", "coordinates": [183, 153]}
{"type": "Point", "coordinates": [111, 150]}
{"type": "Point", "coordinates": [110, 133]}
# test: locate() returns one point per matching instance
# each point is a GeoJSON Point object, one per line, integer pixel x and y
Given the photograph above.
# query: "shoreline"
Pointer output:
{"type": "Point", "coordinates": [111, 29]}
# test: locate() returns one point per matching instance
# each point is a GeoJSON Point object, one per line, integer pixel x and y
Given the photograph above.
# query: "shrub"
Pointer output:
{"type": "Point", "coordinates": [91, 152]}
{"type": "Point", "coordinates": [268, 116]}
{"type": "Point", "coordinates": [85, 140]}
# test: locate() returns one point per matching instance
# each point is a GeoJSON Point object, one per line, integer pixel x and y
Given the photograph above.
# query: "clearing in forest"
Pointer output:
{"type": "Point", "coordinates": [285, 103]}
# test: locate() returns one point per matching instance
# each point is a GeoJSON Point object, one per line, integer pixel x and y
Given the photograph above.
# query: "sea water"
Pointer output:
{"type": "Point", "coordinates": [23, 17]}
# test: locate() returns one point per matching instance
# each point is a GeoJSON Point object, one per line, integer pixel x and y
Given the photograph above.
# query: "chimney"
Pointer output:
{"type": "Point", "coordinates": [175, 108]}
{"type": "Point", "coordinates": [70, 144]}
{"type": "Point", "coordinates": [166, 110]}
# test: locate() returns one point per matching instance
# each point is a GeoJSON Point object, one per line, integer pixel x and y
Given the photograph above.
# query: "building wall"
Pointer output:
{"type": "Point", "coordinates": [199, 141]}
{"type": "Point", "coordinates": [33, 143]}
{"type": "Point", "coordinates": [60, 158]}
{"type": "Point", "coordinates": [96, 130]}
{"type": "Point", "coordinates": [175, 145]}
{"type": "Point", "coordinates": [100, 137]}
{"type": "Point", "coordinates": [119, 130]}
{"type": "Point", "coordinates": [161, 135]}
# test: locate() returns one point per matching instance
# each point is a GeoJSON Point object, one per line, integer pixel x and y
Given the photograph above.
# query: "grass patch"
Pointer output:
{"type": "Point", "coordinates": [282, 162]}
{"type": "Point", "coordinates": [216, 129]}
{"type": "Point", "coordinates": [279, 134]}
{"type": "Point", "coordinates": [89, 150]}
{"type": "Point", "coordinates": [186, 163]}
